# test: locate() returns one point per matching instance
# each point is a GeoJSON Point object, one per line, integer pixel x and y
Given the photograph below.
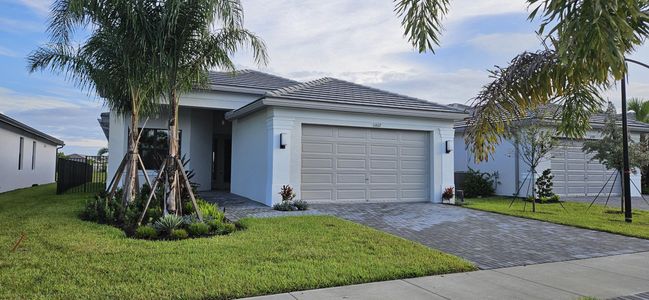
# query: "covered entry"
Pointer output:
{"type": "Point", "coordinates": [352, 164]}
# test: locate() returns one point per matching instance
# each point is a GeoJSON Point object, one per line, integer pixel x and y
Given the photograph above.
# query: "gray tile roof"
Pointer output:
{"type": "Point", "coordinates": [338, 91]}
{"type": "Point", "coordinates": [20, 126]}
{"type": "Point", "coordinates": [249, 79]}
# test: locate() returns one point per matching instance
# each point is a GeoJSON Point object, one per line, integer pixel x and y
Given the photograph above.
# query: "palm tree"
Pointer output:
{"type": "Point", "coordinates": [188, 49]}
{"type": "Point", "coordinates": [641, 109]}
{"type": "Point", "coordinates": [115, 61]}
{"type": "Point", "coordinates": [588, 44]}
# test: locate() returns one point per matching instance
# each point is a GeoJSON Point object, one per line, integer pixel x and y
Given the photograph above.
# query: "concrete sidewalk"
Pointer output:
{"type": "Point", "coordinates": [625, 276]}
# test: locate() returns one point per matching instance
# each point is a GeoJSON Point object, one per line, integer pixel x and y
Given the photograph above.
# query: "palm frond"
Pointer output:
{"type": "Point", "coordinates": [422, 21]}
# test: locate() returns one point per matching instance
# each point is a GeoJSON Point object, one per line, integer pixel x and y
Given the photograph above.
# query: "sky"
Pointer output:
{"type": "Point", "coordinates": [356, 40]}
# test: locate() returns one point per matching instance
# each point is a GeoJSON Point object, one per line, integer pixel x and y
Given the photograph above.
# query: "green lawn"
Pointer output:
{"type": "Point", "coordinates": [597, 218]}
{"type": "Point", "coordinates": [64, 257]}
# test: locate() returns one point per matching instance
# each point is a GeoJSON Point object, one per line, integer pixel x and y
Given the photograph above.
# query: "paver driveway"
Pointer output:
{"type": "Point", "coordinates": [487, 239]}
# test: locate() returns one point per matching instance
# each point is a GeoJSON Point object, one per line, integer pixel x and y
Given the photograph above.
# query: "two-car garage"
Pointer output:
{"type": "Point", "coordinates": [353, 164]}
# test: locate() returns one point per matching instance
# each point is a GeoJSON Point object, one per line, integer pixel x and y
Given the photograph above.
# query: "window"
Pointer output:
{"type": "Point", "coordinates": [33, 155]}
{"type": "Point", "coordinates": [154, 147]}
{"type": "Point", "coordinates": [20, 153]}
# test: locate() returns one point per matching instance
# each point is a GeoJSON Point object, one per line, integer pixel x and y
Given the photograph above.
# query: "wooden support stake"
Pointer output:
{"type": "Point", "coordinates": [118, 175]}
{"type": "Point", "coordinates": [146, 176]}
{"type": "Point", "coordinates": [152, 195]}
{"type": "Point", "coordinates": [121, 167]}
{"type": "Point", "coordinates": [189, 188]}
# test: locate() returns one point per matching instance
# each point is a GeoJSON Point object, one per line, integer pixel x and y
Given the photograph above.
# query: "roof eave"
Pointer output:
{"type": "Point", "coordinates": [321, 105]}
{"type": "Point", "coordinates": [20, 126]}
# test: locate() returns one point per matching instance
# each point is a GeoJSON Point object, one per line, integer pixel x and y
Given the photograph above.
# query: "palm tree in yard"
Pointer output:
{"type": "Point", "coordinates": [641, 109]}
{"type": "Point", "coordinates": [192, 37]}
{"type": "Point", "coordinates": [585, 47]}
{"type": "Point", "coordinates": [115, 61]}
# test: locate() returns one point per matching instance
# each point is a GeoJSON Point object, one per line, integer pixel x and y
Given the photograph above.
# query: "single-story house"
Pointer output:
{"type": "Point", "coordinates": [575, 174]}
{"type": "Point", "coordinates": [28, 155]}
{"type": "Point", "coordinates": [331, 140]}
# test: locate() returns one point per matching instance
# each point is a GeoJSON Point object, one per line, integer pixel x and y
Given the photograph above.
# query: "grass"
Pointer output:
{"type": "Point", "coordinates": [64, 257]}
{"type": "Point", "coordinates": [597, 218]}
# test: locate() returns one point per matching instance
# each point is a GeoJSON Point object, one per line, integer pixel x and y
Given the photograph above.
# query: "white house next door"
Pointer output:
{"type": "Point", "coordinates": [352, 164]}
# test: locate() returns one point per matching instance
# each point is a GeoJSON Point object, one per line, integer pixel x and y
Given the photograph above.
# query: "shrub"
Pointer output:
{"type": "Point", "coordinates": [167, 224]}
{"type": "Point", "coordinates": [198, 229]}
{"type": "Point", "coordinates": [301, 205]}
{"type": "Point", "coordinates": [178, 234]}
{"type": "Point", "coordinates": [227, 228]}
{"type": "Point", "coordinates": [283, 206]}
{"type": "Point", "coordinates": [146, 232]}
{"type": "Point", "coordinates": [478, 183]}
{"type": "Point", "coordinates": [544, 184]}
{"type": "Point", "coordinates": [214, 225]}
{"type": "Point", "coordinates": [209, 210]}
{"type": "Point", "coordinates": [448, 193]}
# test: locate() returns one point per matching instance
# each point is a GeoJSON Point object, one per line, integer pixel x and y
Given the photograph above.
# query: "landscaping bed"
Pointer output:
{"type": "Point", "coordinates": [575, 214]}
{"type": "Point", "coordinates": [65, 257]}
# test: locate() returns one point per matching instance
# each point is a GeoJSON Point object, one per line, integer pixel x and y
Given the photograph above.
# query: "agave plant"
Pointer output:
{"type": "Point", "coordinates": [168, 223]}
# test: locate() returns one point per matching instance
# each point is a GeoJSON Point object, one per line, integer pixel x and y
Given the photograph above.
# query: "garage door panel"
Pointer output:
{"type": "Point", "coordinates": [384, 150]}
{"type": "Point", "coordinates": [324, 148]}
{"type": "Point", "coordinates": [387, 164]}
{"type": "Point", "coordinates": [414, 151]}
{"type": "Point", "coordinates": [317, 163]}
{"type": "Point", "coordinates": [364, 164]}
{"type": "Point", "coordinates": [317, 178]}
{"type": "Point", "coordinates": [350, 178]}
{"type": "Point", "coordinates": [575, 174]}
{"type": "Point", "coordinates": [351, 194]}
{"type": "Point", "coordinates": [315, 195]}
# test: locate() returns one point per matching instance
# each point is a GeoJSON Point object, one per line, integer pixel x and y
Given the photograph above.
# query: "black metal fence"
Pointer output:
{"type": "Point", "coordinates": [81, 174]}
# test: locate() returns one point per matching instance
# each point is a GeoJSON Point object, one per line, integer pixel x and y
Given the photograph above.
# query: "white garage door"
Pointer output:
{"type": "Point", "coordinates": [350, 164]}
{"type": "Point", "coordinates": [576, 175]}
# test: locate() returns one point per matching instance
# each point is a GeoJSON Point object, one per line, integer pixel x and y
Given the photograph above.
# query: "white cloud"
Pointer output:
{"type": "Point", "coordinates": [39, 6]}
{"type": "Point", "coordinates": [7, 52]}
{"type": "Point", "coordinates": [19, 26]}
{"type": "Point", "coordinates": [463, 9]}
{"type": "Point", "coordinates": [12, 101]}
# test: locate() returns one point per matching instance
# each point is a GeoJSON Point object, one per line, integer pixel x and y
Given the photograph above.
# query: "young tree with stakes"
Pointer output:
{"type": "Point", "coordinates": [534, 142]}
{"type": "Point", "coordinates": [608, 150]}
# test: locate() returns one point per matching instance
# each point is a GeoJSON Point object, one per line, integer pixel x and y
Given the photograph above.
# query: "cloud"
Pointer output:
{"type": "Point", "coordinates": [7, 52]}
{"type": "Point", "coordinates": [12, 101]}
{"type": "Point", "coordinates": [41, 7]}
{"type": "Point", "coordinates": [19, 26]}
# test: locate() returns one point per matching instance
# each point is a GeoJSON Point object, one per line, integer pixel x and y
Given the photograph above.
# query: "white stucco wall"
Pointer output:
{"type": "Point", "coordinates": [283, 166]}
{"type": "Point", "coordinates": [44, 168]}
{"type": "Point", "coordinates": [250, 157]}
{"type": "Point", "coordinates": [504, 161]}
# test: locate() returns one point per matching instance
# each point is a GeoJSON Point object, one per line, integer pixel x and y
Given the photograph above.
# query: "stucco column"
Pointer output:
{"type": "Point", "coordinates": [279, 158]}
{"type": "Point", "coordinates": [447, 161]}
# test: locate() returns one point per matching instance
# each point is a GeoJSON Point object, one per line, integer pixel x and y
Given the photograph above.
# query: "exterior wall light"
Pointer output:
{"type": "Point", "coordinates": [283, 140]}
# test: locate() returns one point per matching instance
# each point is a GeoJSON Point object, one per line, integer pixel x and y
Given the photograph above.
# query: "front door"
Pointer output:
{"type": "Point", "coordinates": [221, 162]}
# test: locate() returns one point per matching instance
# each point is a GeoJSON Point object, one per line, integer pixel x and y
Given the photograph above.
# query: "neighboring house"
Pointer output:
{"type": "Point", "coordinates": [332, 140]}
{"type": "Point", "coordinates": [75, 156]}
{"type": "Point", "coordinates": [28, 155]}
{"type": "Point", "coordinates": [575, 174]}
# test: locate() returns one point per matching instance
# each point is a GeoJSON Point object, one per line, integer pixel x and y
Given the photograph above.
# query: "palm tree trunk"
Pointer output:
{"type": "Point", "coordinates": [131, 173]}
{"type": "Point", "coordinates": [174, 185]}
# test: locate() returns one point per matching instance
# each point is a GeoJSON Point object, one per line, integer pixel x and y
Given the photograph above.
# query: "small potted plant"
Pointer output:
{"type": "Point", "coordinates": [448, 195]}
